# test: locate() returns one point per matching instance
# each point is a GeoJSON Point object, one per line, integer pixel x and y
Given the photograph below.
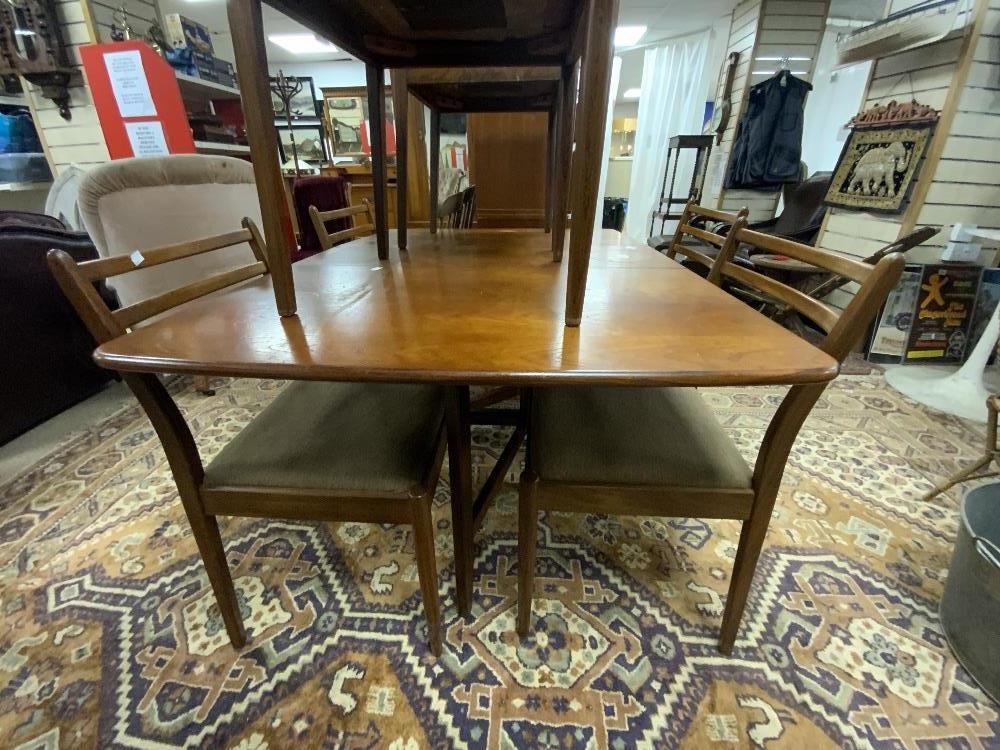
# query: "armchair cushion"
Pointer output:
{"type": "Point", "coordinates": [637, 436]}
{"type": "Point", "coordinates": [336, 436]}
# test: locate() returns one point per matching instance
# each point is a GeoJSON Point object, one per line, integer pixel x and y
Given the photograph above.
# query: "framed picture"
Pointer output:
{"type": "Point", "coordinates": [346, 120]}
{"type": "Point", "coordinates": [942, 319]}
{"type": "Point", "coordinates": [303, 104]}
{"type": "Point", "coordinates": [879, 162]}
{"type": "Point", "coordinates": [310, 143]}
{"type": "Point", "coordinates": [889, 335]}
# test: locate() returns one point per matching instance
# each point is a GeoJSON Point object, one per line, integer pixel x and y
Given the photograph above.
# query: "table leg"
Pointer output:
{"type": "Point", "coordinates": [247, 27]}
{"type": "Point", "coordinates": [460, 475]}
{"type": "Point", "coordinates": [400, 103]}
{"type": "Point", "coordinates": [376, 123]}
{"type": "Point", "coordinates": [550, 168]}
{"type": "Point", "coordinates": [564, 154]}
{"type": "Point", "coordinates": [435, 166]}
{"type": "Point", "coordinates": [595, 78]}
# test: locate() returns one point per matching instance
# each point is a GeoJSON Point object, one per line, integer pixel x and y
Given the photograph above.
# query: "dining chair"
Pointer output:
{"type": "Point", "coordinates": [361, 452]}
{"type": "Point", "coordinates": [694, 224]}
{"type": "Point", "coordinates": [450, 211]}
{"type": "Point", "coordinates": [467, 211]}
{"type": "Point", "coordinates": [327, 239]}
{"type": "Point", "coordinates": [661, 452]}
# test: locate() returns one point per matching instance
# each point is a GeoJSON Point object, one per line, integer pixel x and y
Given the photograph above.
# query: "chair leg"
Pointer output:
{"type": "Point", "coordinates": [213, 555]}
{"type": "Point", "coordinates": [460, 476]}
{"type": "Point", "coordinates": [423, 538]}
{"type": "Point", "coordinates": [527, 544]}
{"type": "Point", "coordinates": [203, 385]}
{"type": "Point", "coordinates": [751, 541]}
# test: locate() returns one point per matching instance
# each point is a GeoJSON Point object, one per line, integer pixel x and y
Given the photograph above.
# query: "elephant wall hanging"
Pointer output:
{"type": "Point", "coordinates": [878, 165]}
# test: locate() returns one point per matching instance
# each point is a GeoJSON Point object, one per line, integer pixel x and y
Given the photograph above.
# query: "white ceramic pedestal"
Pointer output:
{"type": "Point", "coordinates": [962, 393]}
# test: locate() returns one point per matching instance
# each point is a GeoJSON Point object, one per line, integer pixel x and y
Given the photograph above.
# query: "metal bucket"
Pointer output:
{"type": "Point", "coordinates": [970, 607]}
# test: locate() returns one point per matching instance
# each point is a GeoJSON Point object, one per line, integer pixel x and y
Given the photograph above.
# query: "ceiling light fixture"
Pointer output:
{"type": "Point", "coordinates": [629, 36]}
{"type": "Point", "coordinates": [631, 93]}
{"type": "Point", "coordinates": [302, 44]}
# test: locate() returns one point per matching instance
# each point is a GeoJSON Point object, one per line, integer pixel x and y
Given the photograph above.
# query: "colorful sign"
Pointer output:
{"type": "Point", "coordinates": [940, 330]}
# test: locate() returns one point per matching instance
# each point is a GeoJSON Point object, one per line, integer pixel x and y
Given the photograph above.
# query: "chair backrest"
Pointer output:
{"type": "Point", "coordinates": [902, 245]}
{"type": "Point", "coordinates": [468, 210]}
{"type": "Point", "coordinates": [804, 206]}
{"type": "Point", "coordinates": [843, 328]}
{"type": "Point", "coordinates": [327, 239]}
{"type": "Point", "coordinates": [327, 193]}
{"type": "Point", "coordinates": [76, 279]}
{"type": "Point", "coordinates": [142, 204]}
{"type": "Point", "coordinates": [450, 207]}
{"type": "Point", "coordinates": [692, 211]}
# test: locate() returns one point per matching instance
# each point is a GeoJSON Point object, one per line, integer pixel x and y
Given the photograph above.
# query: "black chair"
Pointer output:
{"type": "Point", "coordinates": [47, 366]}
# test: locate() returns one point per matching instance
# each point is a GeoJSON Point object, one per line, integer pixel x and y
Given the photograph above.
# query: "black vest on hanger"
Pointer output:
{"type": "Point", "coordinates": [768, 145]}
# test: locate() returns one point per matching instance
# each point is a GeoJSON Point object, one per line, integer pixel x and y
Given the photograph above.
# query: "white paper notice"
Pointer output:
{"type": "Point", "coordinates": [147, 138]}
{"type": "Point", "coordinates": [129, 84]}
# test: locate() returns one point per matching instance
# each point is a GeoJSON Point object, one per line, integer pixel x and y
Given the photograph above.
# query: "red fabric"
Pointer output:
{"type": "Point", "coordinates": [326, 193]}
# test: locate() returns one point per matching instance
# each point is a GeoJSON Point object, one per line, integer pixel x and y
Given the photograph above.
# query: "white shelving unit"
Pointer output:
{"type": "Point", "coordinates": [208, 147]}
{"type": "Point", "coordinates": [205, 89]}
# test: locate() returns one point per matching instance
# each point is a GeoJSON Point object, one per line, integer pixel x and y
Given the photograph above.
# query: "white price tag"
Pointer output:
{"type": "Point", "coordinates": [137, 258]}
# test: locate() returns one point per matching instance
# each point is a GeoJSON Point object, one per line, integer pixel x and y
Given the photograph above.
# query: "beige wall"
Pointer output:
{"type": "Point", "coordinates": [762, 28]}
{"type": "Point", "coordinates": [959, 177]}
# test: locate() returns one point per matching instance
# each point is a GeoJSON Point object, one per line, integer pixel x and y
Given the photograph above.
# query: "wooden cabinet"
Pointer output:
{"type": "Point", "coordinates": [360, 177]}
{"type": "Point", "coordinates": [507, 157]}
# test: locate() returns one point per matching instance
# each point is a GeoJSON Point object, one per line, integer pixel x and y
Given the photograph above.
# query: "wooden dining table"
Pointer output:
{"type": "Point", "coordinates": [466, 307]}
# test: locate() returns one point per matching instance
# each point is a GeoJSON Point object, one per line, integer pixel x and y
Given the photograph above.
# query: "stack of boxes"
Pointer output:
{"type": "Point", "coordinates": [183, 34]}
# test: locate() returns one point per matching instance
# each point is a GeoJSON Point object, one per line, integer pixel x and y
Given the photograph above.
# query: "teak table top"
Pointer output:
{"type": "Point", "coordinates": [476, 306]}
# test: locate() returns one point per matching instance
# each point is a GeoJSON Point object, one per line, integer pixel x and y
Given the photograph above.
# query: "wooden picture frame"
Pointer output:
{"type": "Point", "coordinates": [304, 134]}
{"type": "Point", "coordinates": [303, 104]}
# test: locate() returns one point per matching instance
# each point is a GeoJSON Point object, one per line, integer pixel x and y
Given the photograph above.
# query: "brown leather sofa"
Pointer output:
{"type": "Point", "coordinates": [45, 352]}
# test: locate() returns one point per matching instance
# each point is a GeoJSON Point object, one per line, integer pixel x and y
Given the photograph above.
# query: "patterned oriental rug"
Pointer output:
{"type": "Point", "coordinates": [111, 637]}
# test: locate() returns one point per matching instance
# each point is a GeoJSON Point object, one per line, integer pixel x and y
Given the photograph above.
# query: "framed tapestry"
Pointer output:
{"type": "Point", "coordinates": [879, 162]}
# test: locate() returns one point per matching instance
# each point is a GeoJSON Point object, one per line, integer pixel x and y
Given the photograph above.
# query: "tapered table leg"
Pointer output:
{"type": "Point", "coordinates": [247, 26]}
{"type": "Point", "coordinates": [400, 103]}
{"type": "Point", "coordinates": [595, 78]}
{"type": "Point", "coordinates": [564, 155]}
{"type": "Point", "coordinates": [376, 122]}
{"type": "Point", "coordinates": [435, 167]}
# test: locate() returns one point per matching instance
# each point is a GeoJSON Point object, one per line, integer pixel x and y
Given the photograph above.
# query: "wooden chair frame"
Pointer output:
{"type": "Point", "coordinates": [752, 506]}
{"type": "Point", "coordinates": [204, 504]}
{"type": "Point", "coordinates": [685, 228]}
{"type": "Point", "coordinates": [319, 219]}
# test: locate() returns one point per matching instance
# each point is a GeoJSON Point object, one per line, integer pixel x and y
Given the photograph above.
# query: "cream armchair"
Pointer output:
{"type": "Point", "coordinates": [140, 204]}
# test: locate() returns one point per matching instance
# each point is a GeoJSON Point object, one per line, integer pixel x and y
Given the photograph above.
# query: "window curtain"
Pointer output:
{"type": "Point", "coordinates": [672, 103]}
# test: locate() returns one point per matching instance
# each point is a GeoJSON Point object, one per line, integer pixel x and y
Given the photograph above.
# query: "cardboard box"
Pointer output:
{"type": "Point", "coordinates": [182, 32]}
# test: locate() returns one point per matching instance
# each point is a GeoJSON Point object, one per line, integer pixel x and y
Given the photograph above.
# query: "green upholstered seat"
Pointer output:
{"type": "Point", "coordinates": [336, 436]}
{"type": "Point", "coordinates": [637, 436]}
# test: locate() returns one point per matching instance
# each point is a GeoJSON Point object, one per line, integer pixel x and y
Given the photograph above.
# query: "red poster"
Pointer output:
{"type": "Point", "coordinates": [137, 99]}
